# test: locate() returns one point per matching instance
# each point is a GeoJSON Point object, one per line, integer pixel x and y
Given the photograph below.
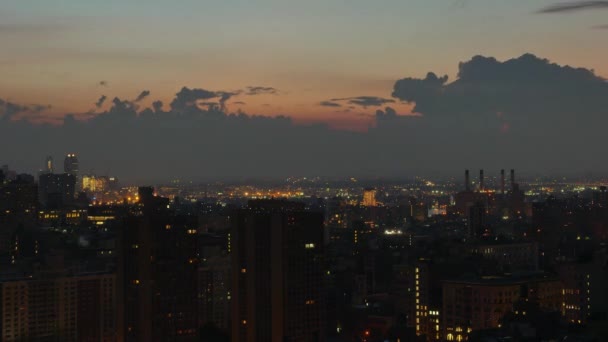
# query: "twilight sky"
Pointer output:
{"type": "Point", "coordinates": [67, 53]}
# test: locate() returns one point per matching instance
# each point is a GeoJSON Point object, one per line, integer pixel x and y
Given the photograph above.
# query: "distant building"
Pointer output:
{"type": "Point", "coordinates": [214, 292]}
{"type": "Point", "coordinates": [476, 220]}
{"type": "Point", "coordinates": [49, 166]}
{"type": "Point", "coordinates": [70, 164]}
{"type": "Point", "coordinates": [56, 190]}
{"type": "Point", "coordinates": [92, 183]}
{"type": "Point", "coordinates": [369, 198]}
{"type": "Point", "coordinates": [278, 271]}
{"type": "Point", "coordinates": [64, 308]}
{"type": "Point", "coordinates": [481, 303]}
{"type": "Point", "coordinates": [157, 273]}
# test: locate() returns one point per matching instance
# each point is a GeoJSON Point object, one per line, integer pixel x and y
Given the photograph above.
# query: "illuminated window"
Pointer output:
{"type": "Point", "coordinates": [243, 270]}
{"type": "Point", "coordinates": [309, 245]}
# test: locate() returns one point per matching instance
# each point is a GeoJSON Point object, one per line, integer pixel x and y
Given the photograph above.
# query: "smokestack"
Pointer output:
{"type": "Point", "coordinates": [512, 179]}
{"type": "Point", "coordinates": [481, 180]}
{"type": "Point", "coordinates": [502, 181]}
{"type": "Point", "coordinates": [467, 181]}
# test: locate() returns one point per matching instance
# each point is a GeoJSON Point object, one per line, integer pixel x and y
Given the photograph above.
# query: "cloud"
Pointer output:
{"type": "Point", "coordinates": [329, 104]}
{"type": "Point", "coordinates": [365, 101]}
{"type": "Point", "coordinates": [516, 87]}
{"type": "Point", "coordinates": [574, 6]}
{"type": "Point", "coordinates": [158, 106]}
{"type": "Point", "coordinates": [525, 113]}
{"type": "Point", "coordinates": [258, 90]}
{"type": "Point", "coordinates": [239, 103]}
{"type": "Point", "coordinates": [601, 27]}
{"type": "Point", "coordinates": [10, 110]}
{"type": "Point", "coordinates": [100, 102]}
{"type": "Point", "coordinates": [142, 95]}
{"type": "Point", "coordinates": [187, 98]}
{"type": "Point", "coordinates": [103, 83]}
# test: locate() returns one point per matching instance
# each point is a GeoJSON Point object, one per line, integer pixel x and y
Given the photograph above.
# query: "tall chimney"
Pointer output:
{"type": "Point", "coordinates": [502, 181]}
{"type": "Point", "coordinates": [512, 179]}
{"type": "Point", "coordinates": [481, 180]}
{"type": "Point", "coordinates": [467, 181]}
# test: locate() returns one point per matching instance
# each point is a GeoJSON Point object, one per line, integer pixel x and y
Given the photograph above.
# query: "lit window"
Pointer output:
{"type": "Point", "coordinates": [309, 245]}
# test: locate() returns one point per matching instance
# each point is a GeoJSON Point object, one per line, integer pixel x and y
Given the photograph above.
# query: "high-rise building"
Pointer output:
{"type": "Point", "coordinates": [476, 220]}
{"type": "Point", "coordinates": [214, 293]}
{"type": "Point", "coordinates": [369, 198]}
{"type": "Point", "coordinates": [62, 308]}
{"type": "Point", "coordinates": [278, 271]}
{"type": "Point", "coordinates": [48, 166]}
{"type": "Point", "coordinates": [157, 273]}
{"type": "Point", "coordinates": [70, 164]}
{"type": "Point", "coordinates": [56, 190]}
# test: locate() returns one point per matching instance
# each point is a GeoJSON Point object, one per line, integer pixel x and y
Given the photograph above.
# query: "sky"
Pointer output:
{"type": "Point", "coordinates": [57, 52]}
{"type": "Point", "coordinates": [152, 90]}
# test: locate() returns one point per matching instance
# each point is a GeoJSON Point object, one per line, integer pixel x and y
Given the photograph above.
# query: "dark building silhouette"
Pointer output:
{"type": "Point", "coordinates": [157, 275]}
{"type": "Point", "coordinates": [19, 196]}
{"type": "Point", "coordinates": [70, 164]}
{"type": "Point", "coordinates": [476, 220]}
{"type": "Point", "coordinates": [51, 307]}
{"type": "Point", "coordinates": [56, 190]}
{"type": "Point", "coordinates": [278, 291]}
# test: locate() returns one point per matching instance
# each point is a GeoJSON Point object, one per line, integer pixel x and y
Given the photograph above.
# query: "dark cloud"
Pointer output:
{"type": "Point", "coordinates": [485, 85]}
{"type": "Point", "coordinates": [158, 106]}
{"type": "Point", "coordinates": [100, 102]}
{"type": "Point", "coordinates": [572, 6]}
{"type": "Point", "coordinates": [329, 104]}
{"type": "Point", "coordinates": [365, 101]}
{"type": "Point", "coordinates": [103, 83]}
{"type": "Point", "coordinates": [187, 98]}
{"type": "Point", "coordinates": [525, 113]}
{"type": "Point", "coordinates": [388, 114]}
{"type": "Point", "coordinates": [142, 95]}
{"type": "Point", "coordinates": [258, 90]}
{"type": "Point", "coordinates": [10, 110]}
{"type": "Point", "coordinates": [37, 108]}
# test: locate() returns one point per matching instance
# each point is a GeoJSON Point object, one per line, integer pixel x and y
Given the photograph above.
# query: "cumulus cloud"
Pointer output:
{"type": "Point", "coordinates": [187, 98]}
{"type": "Point", "coordinates": [142, 95]}
{"type": "Point", "coordinates": [526, 113]}
{"type": "Point", "coordinates": [516, 86]}
{"type": "Point", "coordinates": [572, 6]}
{"type": "Point", "coordinates": [158, 106]}
{"type": "Point", "coordinates": [100, 102]}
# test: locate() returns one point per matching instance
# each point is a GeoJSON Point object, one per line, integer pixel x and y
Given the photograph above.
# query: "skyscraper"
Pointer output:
{"type": "Point", "coordinates": [369, 197]}
{"type": "Point", "coordinates": [157, 275]}
{"type": "Point", "coordinates": [70, 164]}
{"type": "Point", "coordinates": [278, 273]}
{"type": "Point", "coordinates": [48, 166]}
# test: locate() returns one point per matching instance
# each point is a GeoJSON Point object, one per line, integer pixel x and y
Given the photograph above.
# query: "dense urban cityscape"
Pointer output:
{"type": "Point", "coordinates": [486, 257]}
{"type": "Point", "coordinates": [303, 171]}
